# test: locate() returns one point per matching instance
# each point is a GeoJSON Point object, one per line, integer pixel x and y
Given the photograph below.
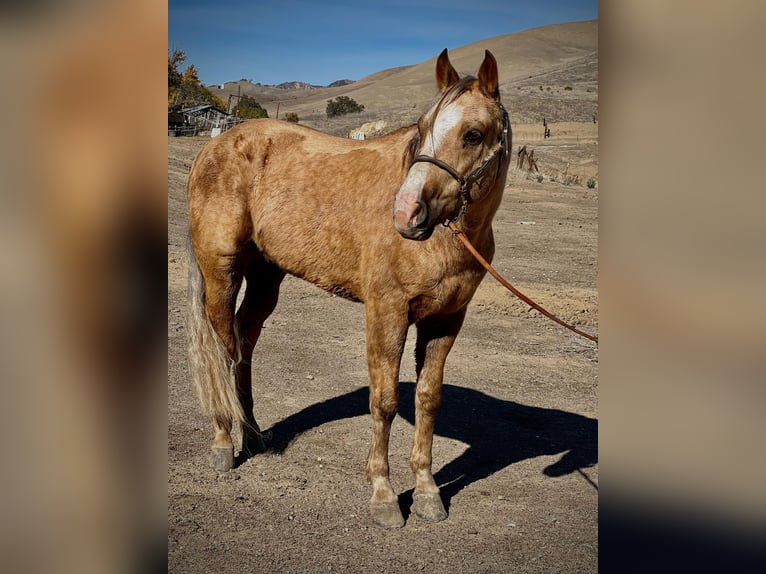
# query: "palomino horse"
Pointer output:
{"type": "Point", "coordinates": [268, 198]}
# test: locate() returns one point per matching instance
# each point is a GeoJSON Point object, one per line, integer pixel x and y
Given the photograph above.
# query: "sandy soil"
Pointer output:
{"type": "Point", "coordinates": [516, 448]}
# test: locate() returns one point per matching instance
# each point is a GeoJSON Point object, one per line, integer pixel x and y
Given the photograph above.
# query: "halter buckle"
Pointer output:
{"type": "Point", "coordinates": [463, 206]}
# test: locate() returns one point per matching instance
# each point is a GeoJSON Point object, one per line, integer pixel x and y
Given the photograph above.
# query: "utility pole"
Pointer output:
{"type": "Point", "coordinates": [238, 96]}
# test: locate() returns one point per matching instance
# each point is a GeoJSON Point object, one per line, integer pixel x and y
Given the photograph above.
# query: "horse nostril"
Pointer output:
{"type": "Point", "coordinates": [420, 215]}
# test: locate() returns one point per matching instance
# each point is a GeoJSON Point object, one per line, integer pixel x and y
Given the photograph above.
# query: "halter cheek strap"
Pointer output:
{"type": "Point", "coordinates": [467, 181]}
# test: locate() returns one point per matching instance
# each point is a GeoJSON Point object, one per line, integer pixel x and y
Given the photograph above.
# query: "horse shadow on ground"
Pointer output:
{"type": "Point", "coordinates": [498, 433]}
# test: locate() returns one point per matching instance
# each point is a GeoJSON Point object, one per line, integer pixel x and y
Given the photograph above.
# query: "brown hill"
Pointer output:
{"type": "Point", "coordinates": [551, 72]}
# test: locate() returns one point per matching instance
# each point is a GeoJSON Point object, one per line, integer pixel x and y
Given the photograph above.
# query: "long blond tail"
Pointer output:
{"type": "Point", "coordinates": [212, 369]}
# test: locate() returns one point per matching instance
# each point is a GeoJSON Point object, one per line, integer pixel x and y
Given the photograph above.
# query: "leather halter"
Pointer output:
{"type": "Point", "coordinates": [467, 181]}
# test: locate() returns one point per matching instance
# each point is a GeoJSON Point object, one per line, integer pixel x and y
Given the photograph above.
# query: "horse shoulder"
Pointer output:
{"type": "Point", "coordinates": [435, 277]}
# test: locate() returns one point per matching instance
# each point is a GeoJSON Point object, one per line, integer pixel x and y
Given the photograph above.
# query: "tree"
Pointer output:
{"type": "Point", "coordinates": [186, 89]}
{"type": "Point", "coordinates": [342, 105]}
{"type": "Point", "coordinates": [249, 109]}
{"type": "Point", "coordinates": [174, 75]}
{"type": "Point", "coordinates": [191, 76]}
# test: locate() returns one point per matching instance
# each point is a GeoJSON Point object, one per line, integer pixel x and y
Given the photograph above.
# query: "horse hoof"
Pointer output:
{"type": "Point", "coordinates": [428, 507]}
{"type": "Point", "coordinates": [387, 515]}
{"type": "Point", "coordinates": [222, 459]}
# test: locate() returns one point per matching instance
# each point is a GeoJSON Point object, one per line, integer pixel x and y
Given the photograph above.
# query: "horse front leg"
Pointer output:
{"type": "Point", "coordinates": [436, 336]}
{"type": "Point", "coordinates": [386, 333]}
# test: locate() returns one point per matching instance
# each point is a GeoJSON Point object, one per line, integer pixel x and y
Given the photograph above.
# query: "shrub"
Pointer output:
{"type": "Point", "coordinates": [342, 105]}
{"type": "Point", "coordinates": [568, 88]}
{"type": "Point", "coordinates": [591, 183]}
{"type": "Point", "coordinates": [291, 117]}
{"type": "Point", "coordinates": [249, 109]}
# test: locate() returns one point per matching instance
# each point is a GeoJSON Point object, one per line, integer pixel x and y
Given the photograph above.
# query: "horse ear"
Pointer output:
{"type": "Point", "coordinates": [445, 73]}
{"type": "Point", "coordinates": [488, 81]}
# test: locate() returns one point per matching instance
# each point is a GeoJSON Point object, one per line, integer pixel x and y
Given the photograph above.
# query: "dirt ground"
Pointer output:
{"type": "Point", "coordinates": [516, 451]}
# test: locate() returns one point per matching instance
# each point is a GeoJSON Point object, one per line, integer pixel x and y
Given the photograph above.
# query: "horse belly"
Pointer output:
{"type": "Point", "coordinates": [309, 251]}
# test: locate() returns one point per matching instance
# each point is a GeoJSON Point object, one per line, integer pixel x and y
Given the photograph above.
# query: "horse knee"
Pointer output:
{"type": "Point", "coordinates": [384, 404]}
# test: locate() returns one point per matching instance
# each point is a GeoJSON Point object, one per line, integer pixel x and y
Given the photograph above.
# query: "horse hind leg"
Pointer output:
{"type": "Point", "coordinates": [213, 349]}
{"type": "Point", "coordinates": [262, 282]}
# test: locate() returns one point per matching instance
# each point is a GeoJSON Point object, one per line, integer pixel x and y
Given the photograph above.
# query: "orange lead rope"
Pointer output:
{"type": "Point", "coordinates": [460, 235]}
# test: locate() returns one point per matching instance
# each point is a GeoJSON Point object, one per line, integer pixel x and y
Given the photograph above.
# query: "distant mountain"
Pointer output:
{"type": "Point", "coordinates": [339, 83]}
{"type": "Point", "coordinates": [296, 86]}
{"type": "Point", "coordinates": [249, 86]}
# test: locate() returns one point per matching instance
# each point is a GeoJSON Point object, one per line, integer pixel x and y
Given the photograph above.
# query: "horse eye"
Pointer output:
{"type": "Point", "coordinates": [473, 137]}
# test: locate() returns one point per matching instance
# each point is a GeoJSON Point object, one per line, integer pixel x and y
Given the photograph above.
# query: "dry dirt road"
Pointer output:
{"type": "Point", "coordinates": [515, 452]}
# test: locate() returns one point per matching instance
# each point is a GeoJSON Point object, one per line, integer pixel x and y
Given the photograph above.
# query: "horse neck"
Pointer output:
{"type": "Point", "coordinates": [477, 220]}
{"type": "Point", "coordinates": [477, 224]}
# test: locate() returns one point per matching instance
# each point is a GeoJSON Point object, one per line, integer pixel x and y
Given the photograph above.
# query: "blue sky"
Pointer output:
{"type": "Point", "coordinates": [320, 41]}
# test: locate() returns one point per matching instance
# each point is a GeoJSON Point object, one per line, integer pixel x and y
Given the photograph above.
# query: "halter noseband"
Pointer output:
{"type": "Point", "coordinates": [467, 181]}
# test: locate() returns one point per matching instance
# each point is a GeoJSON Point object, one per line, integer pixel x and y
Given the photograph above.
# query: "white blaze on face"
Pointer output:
{"type": "Point", "coordinates": [446, 121]}
{"type": "Point", "coordinates": [405, 208]}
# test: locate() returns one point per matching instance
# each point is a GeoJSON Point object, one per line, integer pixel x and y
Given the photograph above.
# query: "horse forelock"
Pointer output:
{"type": "Point", "coordinates": [444, 99]}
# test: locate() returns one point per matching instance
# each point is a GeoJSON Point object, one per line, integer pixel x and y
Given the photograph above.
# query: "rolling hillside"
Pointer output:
{"type": "Point", "coordinates": [551, 72]}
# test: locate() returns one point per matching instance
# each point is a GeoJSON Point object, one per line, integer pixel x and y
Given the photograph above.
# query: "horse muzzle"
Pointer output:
{"type": "Point", "coordinates": [411, 220]}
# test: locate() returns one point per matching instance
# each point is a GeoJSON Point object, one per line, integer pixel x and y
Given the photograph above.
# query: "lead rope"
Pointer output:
{"type": "Point", "coordinates": [460, 235]}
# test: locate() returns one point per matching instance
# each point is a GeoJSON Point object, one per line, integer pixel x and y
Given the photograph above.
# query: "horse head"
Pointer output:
{"type": "Point", "coordinates": [457, 156]}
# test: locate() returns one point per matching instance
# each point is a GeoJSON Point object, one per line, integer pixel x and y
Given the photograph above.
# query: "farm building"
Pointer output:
{"type": "Point", "coordinates": [193, 120]}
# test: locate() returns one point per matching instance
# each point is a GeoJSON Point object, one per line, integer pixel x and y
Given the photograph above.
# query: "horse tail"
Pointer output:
{"type": "Point", "coordinates": [212, 368]}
